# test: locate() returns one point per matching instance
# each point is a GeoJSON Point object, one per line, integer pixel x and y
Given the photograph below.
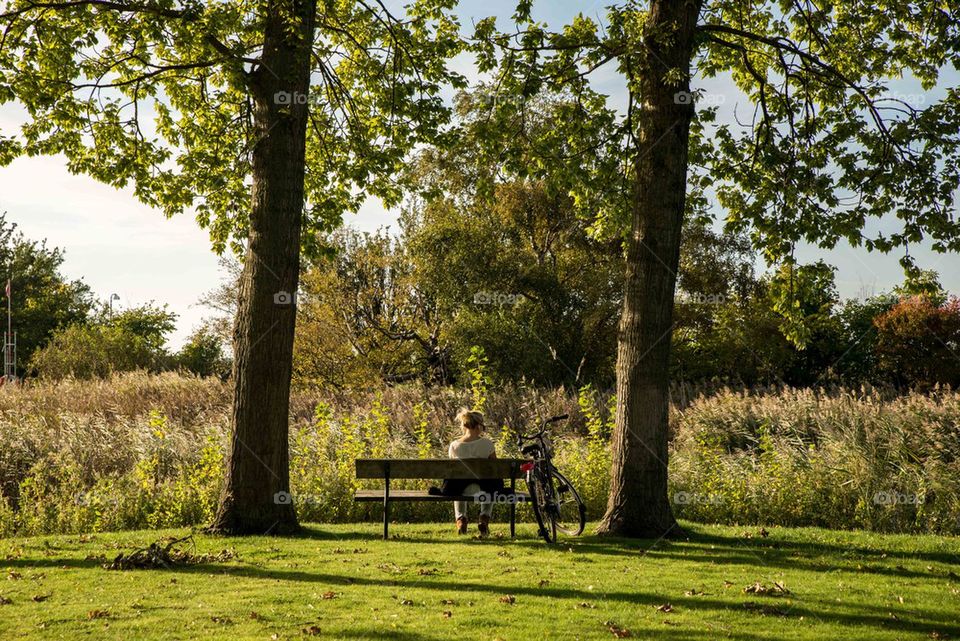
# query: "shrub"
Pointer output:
{"type": "Point", "coordinates": [203, 354]}
{"type": "Point", "coordinates": [84, 351]}
{"type": "Point", "coordinates": [918, 342]}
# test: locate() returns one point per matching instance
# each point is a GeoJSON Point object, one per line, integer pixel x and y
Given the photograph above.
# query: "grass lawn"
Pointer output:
{"type": "Point", "coordinates": [343, 582]}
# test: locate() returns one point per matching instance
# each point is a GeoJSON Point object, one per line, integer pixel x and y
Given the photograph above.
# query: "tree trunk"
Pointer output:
{"type": "Point", "coordinates": [638, 504]}
{"type": "Point", "coordinates": [256, 497]}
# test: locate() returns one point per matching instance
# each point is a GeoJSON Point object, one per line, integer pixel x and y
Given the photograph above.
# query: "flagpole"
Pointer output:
{"type": "Point", "coordinates": [7, 344]}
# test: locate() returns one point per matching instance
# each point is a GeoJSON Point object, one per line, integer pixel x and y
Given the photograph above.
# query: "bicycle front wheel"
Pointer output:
{"type": "Point", "coordinates": [569, 513]}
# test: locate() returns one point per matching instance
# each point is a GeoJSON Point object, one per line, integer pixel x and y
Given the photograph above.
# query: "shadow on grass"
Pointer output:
{"type": "Point", "coordinates": [794, 607]}
{"type": "Point", "coordinates": [699, 548]}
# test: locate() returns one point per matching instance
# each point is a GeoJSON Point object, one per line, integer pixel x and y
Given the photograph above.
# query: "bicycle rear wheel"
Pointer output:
{"type": "Point", "coordinates": [540, 493]}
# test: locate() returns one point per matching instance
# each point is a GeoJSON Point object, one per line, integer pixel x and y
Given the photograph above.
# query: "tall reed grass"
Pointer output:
{"type": "Point", "coordinates": [144, 450]}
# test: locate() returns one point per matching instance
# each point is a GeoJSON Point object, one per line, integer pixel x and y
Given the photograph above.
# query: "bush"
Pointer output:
{"type": "Point", "coordinates": [918, 342]}
{"type": "Point", "coordinates": [203, 354]}
{"type": "Point", "coordinates": [84, 351]}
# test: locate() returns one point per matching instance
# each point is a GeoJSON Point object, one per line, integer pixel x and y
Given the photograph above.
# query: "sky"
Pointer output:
{"type": "Point", "coordinates": [119, 246]}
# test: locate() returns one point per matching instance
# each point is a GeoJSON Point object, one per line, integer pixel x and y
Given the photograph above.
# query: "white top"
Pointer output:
{"type": "Point", "coordinates": [480, 448]}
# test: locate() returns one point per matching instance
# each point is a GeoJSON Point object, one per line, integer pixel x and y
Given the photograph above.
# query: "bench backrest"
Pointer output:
{"type": "Point", "coordinates": [438, 468]}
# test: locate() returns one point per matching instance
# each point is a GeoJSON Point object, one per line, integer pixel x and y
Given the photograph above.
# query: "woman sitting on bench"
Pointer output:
{"type": "Point", "coordinates": [473, 445]}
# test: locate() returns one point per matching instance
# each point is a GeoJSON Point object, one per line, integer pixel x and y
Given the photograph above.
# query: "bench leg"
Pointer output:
{"type": "Point", "coordinates": [386, 507]}
{"type": "Point", "coordinates": [513, 508]}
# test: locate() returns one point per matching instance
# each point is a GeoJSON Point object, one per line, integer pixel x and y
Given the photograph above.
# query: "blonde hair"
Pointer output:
{"type": "Point", "coordinates": [470, 419]}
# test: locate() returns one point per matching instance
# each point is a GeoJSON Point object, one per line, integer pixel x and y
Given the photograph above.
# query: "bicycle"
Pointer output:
{"type": "Point", "coordinates": [556, 503]}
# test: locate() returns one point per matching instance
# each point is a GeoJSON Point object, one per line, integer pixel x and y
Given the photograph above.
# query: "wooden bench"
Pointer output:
{"type": "Point", "coordinates": [436, 469]}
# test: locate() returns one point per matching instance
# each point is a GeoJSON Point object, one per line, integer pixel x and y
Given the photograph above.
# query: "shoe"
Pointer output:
{"type": "Point", "coordinates": [462, 525]}
{"type": "Point", "coordinates": [483, 525]}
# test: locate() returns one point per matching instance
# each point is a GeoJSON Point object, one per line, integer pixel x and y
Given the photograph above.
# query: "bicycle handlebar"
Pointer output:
{"type": "Point", "coordinates": [543, 428]}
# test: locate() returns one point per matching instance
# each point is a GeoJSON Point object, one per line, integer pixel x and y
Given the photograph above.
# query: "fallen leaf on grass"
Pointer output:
{"type": "Point", "coordinates": [447, 614]}
{"type": "Point", "coordinates": [427, 571]}
{"type": "Point", "coordinates": [312, 631]}
{"type": "Point", "coordinates": [586, 605]}
{"type": "Point", "coordinates": [619, 632]}
{"type": "Point", "coordinates": [256, 616]}
{"type": "Point", "coordinates": [694, 592]}
{"type": "Point", "coordinates": [728, 584]}
{"type": "Point", "coordinates": [448, 602]}
{"type": "Point", "coordinates": [39, 598]}
{"type": "Point", "coordinates": [222, 620]}
{"type": "Point", "coordinates": [329, 594]}
{"type": "Point", "coordinates": [777, 589]}
{"type": "Point", "coordinates": [14, 576]}
{"type": "Point", "coordinates": [509, 599]}
{"type": "Point", "coordinates": [666, 607]}
{"type": "Point", "coordinates": [937, 635]}
{"type": "Point", "coordinates": [98, 614]}
{"type": "Point", "coordinates": [4, 600]}
{"type": "Point", "coordinates": [406, 602]}
{"type": "Point", "coordinates": [542, 583]}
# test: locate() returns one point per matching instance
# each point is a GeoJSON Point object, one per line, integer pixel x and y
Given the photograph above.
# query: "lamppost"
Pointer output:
{"type": "Point", "coordinates": [113, 297]}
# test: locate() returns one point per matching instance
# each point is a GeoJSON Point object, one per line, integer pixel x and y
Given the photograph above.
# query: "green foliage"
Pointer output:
{"type": "Point", "coordinates": [93, 351]}
{"type": "Point", "coordinates": [421, 431]}
{"type": "Point", "coordinates": [149, 322]}
{"type": "Point", "coordinates": [922, 282]}
{"type": "Point", "coordinates": [44, 301]}
{"type": "Point", "coordinates": [479, 378]}
{"type": "Point", "coordinates": [203, 354]}
{"type": "Point", "coordinates": [363, 319]}
{"type": "Point", "coordinates": [831, 146]}
{"type": "Point", "coordinates": [161, 97]}
{"type": "Point", "coordinates": [129, 340]}
{"type": "Point", "coordinates": [803, 295]}
{"type": "Point", "coordinates": [586, 460]}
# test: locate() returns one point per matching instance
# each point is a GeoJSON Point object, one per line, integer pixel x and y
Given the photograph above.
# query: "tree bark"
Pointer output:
{"type": "Point", "coordinates": [256, 497]}
{"type": "Point", "coordinates": [638, 505]}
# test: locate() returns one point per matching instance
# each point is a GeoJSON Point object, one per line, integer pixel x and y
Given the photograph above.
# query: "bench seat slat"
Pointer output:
{"type": "Point", "coordinates": [419, 495]}
{"type": "Point", "coordinates": [438, 468]}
